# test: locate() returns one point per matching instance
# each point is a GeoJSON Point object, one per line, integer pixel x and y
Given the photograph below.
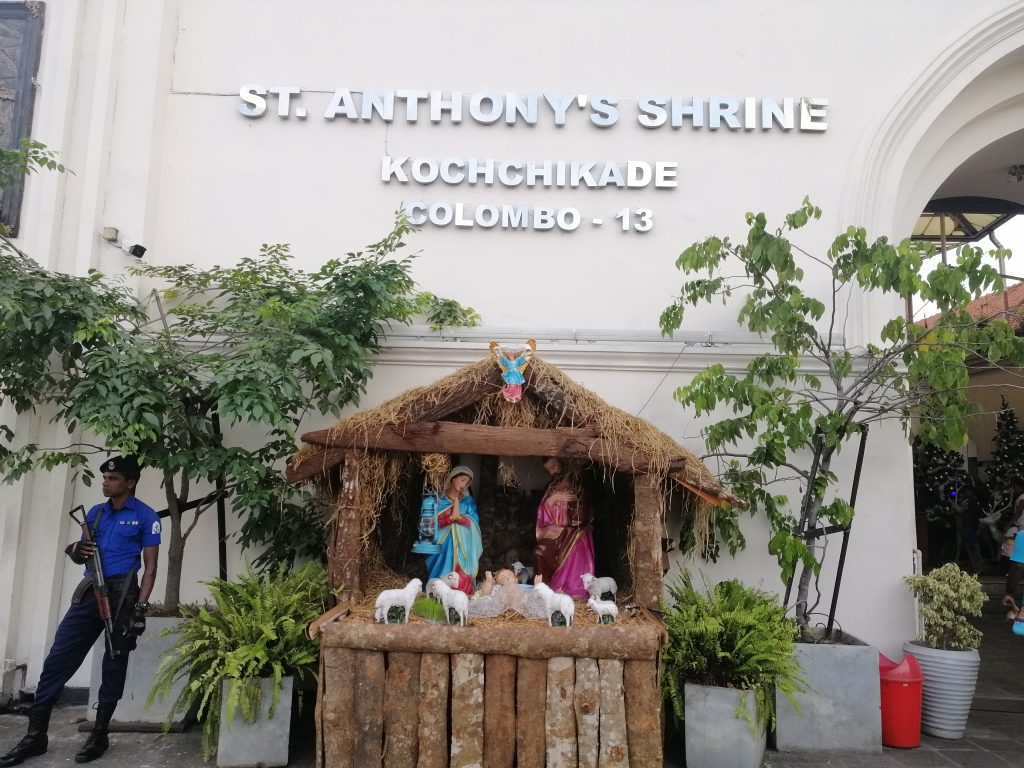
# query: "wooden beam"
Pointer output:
{"type": "Point", "coordinates": [500, 711]}
{"type": "Point", "coordinates": [587, 704]}
{"type": "Point", "coordinates": [645, 540]}
{"type": "Point", "coordinates": [401, 710]}
{"type": "Point", "coordinates": [455, 400]}
{"type": "Point", "coordinates": [531, 702]}
{"type": "Point", "coordinates": [467, 749]}
{"type": "Point", "coordinates": [435, 679]}
{"type": "Point", "coordinates": [550, 396]}
{"type": "Point", "coordinates": [368, 708]}
{"type": "Point", "coordinates": [614, 750]}
{"type": "Point", "coordinates": [560, 716]}
{"type": "Point", "coordinates": [338, 720]}
{"type": "Point", "coordinates": [611, 641]}
{"type": "Point", "coordinates": [457, 437]}
{"type": "Point", "coordinates": [314, 463]}
{"type": "Point", "coordinates": [643, 713]}
{"type": "Point", "coordinates": [486, 440]}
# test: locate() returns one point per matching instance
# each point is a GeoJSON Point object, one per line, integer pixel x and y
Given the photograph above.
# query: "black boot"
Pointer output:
{"type": "Point", "coordinates": [97, 742]}
{"type": "Point", "coordinates": [34, 742]}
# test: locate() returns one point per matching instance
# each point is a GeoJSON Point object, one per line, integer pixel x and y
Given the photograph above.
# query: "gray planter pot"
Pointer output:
{"type": "Point", "coordinates": [715, 736]}
{"type": "Point", "coordinates": [264, 742]}
{"type": "Point", "coordinates": [131, 712]}
{"type": "Point", "coordinates": [950, 678]}
{"type": "Point", "coordinates": [842, 710]}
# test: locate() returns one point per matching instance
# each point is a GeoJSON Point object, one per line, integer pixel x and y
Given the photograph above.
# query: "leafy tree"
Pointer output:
{"type": "Point", "coordinates": [258, 345]}
{"type": "Point", "coordinates": [788, 422]}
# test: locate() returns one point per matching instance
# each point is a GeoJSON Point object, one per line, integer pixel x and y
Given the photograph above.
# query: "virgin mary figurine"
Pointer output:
{"type": "Point", "coordinates": [458, 532]}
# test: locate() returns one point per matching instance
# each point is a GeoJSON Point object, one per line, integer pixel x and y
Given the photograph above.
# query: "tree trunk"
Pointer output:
{"type": "Point", "coordinates": [175, 548]}
{"type": "Point", "coordinates": [801, 608]}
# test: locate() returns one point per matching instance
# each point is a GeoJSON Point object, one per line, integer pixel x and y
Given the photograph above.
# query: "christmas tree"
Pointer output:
{"type": "Point", "coordinates": [1008, 457]}
{"type": "Point", "coordinates": [938, 476]}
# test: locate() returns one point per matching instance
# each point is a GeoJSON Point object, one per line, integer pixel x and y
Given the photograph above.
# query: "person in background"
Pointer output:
{"type": "Point", "coordinates": [1013, 548]}
{"type": "Point", "coordinates": [127, 533]}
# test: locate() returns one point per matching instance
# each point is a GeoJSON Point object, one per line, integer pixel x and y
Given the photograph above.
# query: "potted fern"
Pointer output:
{"type": "Point", "coordinates": [240, 656]}
{"type": "Point", "coordinates": [728, 650]}
{"type": "Point", "coordinates": [947, 647]}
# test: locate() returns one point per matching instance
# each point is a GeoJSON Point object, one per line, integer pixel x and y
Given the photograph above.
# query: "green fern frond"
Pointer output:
{"type": "Point", "coordinates": [255, 628]}
{"type": "Point", "coordinates": [729, 636]}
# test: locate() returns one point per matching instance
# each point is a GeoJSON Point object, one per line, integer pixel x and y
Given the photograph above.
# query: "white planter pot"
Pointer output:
{"type": "Point", "coordinates": [715, 736]}
{"type": "Point", "coordinates": [264, 742]}
{"type": "Point", "coordinates": [950, 678]}
{"type": "Point", "coordinates": [143, 663]}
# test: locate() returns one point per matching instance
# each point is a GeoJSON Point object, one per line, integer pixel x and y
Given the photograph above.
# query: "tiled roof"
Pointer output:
{"type": "Point", "coordinates": [993, 304]}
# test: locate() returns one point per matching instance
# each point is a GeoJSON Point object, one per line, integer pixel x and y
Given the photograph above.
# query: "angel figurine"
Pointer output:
{"type": "Point", "coordinates": [513, 361]}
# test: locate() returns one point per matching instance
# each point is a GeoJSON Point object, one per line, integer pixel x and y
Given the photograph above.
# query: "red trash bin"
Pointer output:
{"type": "Point", "coordinates": [901, 701]}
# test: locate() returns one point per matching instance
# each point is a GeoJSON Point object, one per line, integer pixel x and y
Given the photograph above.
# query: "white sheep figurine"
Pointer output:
{"type": "Point", "coordinates": [599, 586]}
{"type": "Point", "coordinates": [605, 611]}
{"type": "Point", "coordinates": [555, 601]}
{"type": "Point", "coordinates": [396, 598]}
{"type": "Point", "coordinates": [451, 599]}
{"type": "Point", "coordinates": [431, 592]}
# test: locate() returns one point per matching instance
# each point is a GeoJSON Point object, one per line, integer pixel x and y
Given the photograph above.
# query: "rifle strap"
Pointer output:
{"type": "Point", "coordinates": [128, 582]}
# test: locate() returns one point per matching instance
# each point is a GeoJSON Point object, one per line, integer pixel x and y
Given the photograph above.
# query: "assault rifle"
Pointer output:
{"type": "Point", "coordinates": [94, 565]}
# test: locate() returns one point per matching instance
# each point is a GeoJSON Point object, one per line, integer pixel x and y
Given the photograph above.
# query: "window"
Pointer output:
{"type": "Point", "coordinates": [21, 34]}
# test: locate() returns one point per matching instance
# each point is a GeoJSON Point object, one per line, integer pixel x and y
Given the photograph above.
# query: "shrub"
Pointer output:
{"type": "Point", "coordinates": [256, 628]}
{"type": "Point", "coordinates": [732, 637]}
{"type": "Point", "coordinates": [948, 596]}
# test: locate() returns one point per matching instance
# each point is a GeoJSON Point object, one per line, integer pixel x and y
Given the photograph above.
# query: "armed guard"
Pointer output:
{"type": "Point", "coordinates": [123, 534]}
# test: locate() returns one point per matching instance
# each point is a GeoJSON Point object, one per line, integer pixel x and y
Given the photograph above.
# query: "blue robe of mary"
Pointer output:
{"type": "Point", "coordinates": [461, 545]}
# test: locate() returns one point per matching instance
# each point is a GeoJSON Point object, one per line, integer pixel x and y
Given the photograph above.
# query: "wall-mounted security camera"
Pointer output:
{"type": "Point", "coordinates": [133, 249]}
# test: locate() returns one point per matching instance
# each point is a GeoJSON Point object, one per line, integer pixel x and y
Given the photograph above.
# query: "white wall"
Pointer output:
{"type": "Point", "coordinates": [142, 100]}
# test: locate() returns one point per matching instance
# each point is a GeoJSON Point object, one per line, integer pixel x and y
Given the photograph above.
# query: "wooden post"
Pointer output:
{"type": "Point", "coordinates": [587, 704]}
{"type": "Point", "coordinates": [500, 712]}
{"type": "Point", "coordinates": [531, 696]}
{"type": "Point", "coordinates": [343, 554]}
{"type": "Point", "coordinates": [401, 710]}
{"type": "Point", "coordinates": [338, 716]}
{"type": "Point", "coordinates": [560, 716]}
{"type": "Point", "coordinates": [467, 710]}
{"type": "Point", "coordinates": [369, 709]}
{"type": "Point", "coordinates": [318, 712]}
{"type": "Point", "coordinates": [643, 713]}
{"type": "Point", "coordinates": [645, 539]}
{"type": "Point", "coordinates": [433, 703]}
{"type": "Point", "coordinates": [614, 746]}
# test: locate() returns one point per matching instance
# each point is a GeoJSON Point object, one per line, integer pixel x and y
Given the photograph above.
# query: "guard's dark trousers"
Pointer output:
{"type": "Point", "coordinates": [77, 633]}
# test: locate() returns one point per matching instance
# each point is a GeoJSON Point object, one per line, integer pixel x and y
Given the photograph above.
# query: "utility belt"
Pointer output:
{"type": "Point", "coordinates": [123, 592]}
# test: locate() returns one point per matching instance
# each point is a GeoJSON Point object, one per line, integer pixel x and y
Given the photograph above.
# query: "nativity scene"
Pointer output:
{"type": "Point", "coordinates": [496, 537]}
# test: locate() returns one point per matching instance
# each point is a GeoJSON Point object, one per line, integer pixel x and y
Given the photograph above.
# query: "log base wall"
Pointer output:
{"type": "Point", "coordinates": [389, 698]}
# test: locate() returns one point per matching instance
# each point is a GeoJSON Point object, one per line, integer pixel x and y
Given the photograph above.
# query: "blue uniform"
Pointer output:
{"type": "Point", "coordinates": [123, 533]}
{"type": "Point", "coordinates": [121, 537]}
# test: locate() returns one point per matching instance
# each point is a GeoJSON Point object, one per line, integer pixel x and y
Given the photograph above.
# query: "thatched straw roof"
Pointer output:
{"type": "Point", "coordinates": [465, 412]}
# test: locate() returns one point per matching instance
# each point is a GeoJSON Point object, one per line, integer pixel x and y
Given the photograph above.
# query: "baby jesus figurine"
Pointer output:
{"type": "Point", "coordinates": [500, 592]}
{"type": "Point", "coordinates": [503, 577]}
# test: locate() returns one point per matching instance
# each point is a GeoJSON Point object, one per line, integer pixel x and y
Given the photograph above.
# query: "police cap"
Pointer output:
{"type": "Point", "coordinates": [126, 466]}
